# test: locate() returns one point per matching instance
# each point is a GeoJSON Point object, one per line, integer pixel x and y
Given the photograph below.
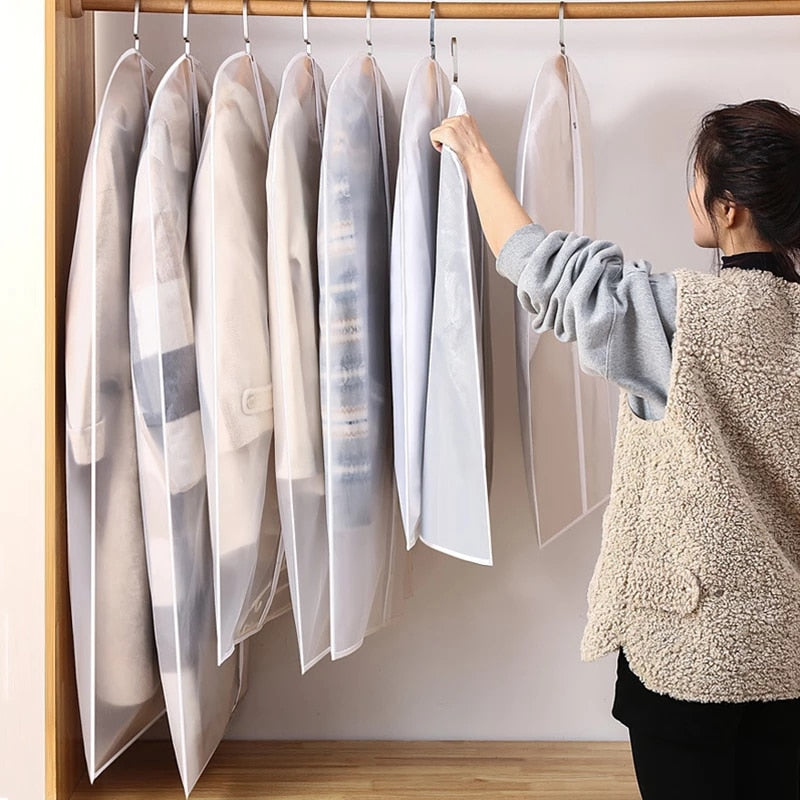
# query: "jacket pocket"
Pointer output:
{"type": "Point", "coordinates": [663, 585]}
{"type": "Point", "coordinates": [245, 413]}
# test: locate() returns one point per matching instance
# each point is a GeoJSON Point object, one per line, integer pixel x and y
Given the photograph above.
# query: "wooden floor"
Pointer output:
{"type": "Point", "coordinates": [345, 770]}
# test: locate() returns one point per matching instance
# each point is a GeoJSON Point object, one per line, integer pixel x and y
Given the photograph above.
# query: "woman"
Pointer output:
{"type": "Point", "coordinates": [698, 582]}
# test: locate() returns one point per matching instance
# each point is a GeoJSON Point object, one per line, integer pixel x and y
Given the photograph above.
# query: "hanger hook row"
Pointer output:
{"type": "Point", "coordinates": [369, 27]}
{"type": "Point", "coordinates": [246, 27]}
{"type": "Point", "coordinates": [454, 54]}
{"type": "Point", "coordinates": [432, 36]}
{"type": "Point", "coordinates": [136, 10]}
{"type": "Point", "coordinates": [561, 27]}
{"type": "Point", "coordinates": [305, 27]}
{"type": "Point", "coordinates": [187, 45]}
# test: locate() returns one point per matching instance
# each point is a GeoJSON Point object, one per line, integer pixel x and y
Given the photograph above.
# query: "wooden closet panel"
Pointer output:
{"type": "Point", "coordinates": [69, 93]}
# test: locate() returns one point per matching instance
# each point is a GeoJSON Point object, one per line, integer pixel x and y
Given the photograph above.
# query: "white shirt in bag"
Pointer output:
{"type": "Point", "coordinates": [413, 260]}
{"type": "Point", "coordinates": [457, 451]}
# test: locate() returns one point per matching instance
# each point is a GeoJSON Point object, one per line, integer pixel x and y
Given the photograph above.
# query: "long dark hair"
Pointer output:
{"type": "Point", "coordinates": [750, 154]}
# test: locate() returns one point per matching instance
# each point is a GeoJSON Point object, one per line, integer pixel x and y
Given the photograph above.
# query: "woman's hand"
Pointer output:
{"type": "Point", "coordinates": [462, 136]}
{"type": "Point", "coordinates": [498, 208]}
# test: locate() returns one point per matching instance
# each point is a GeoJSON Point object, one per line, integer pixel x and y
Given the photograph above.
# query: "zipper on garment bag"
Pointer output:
{"type": "Point", "coordinates": [382, 136]}
{"type": "Point", "coordinates": [262, 105]}
{"type": "Point", "coordinates": [315, 78]}
{"type": "Point", "coordinates": [579, 220]}
{"type": "Point", "coordinates": [198, 131]}
{"type": "Point", "coordinates": [393, 525]}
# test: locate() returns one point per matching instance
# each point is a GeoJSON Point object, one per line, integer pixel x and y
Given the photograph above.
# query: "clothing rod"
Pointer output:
{"type": "Point", "coordinates": [636, 9]}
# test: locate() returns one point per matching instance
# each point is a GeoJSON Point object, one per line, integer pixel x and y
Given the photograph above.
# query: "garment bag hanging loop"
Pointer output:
{"type": "Point", "coordinates": [136, 10]}
{"type": "Point", "coordinates": [454, 54]}
{"type": "Point", "coordinates": [432, 36]}
{"type": "Point", "coordinates": [187, 45]}
{"type": "Point", "coordinates": [561, 28]}
{"type": "Point", "coordinates": [369, 27]}
{"type": "Point", "coordinates": [246, 29]}
{"type": "Point", "coordinates": [305, 28]}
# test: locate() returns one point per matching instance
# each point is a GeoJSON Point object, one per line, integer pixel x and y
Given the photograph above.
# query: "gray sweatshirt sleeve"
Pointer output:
{"type": "Point", "coordinates": [621, 315]}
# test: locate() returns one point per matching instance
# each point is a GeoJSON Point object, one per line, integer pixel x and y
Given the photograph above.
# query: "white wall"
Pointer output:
{"type": "Point", "coordinates": [22, 405]}
{"type": "Point", "coordinates": [493, 653]}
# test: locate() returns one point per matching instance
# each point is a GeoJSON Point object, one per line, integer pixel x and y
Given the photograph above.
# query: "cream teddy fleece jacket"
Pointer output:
{"type": "Point", "coordinates": [698, 576]}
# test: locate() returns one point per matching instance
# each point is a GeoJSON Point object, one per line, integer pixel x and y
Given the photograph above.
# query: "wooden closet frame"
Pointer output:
{"type": "Point", "coordinates": [69, 119]}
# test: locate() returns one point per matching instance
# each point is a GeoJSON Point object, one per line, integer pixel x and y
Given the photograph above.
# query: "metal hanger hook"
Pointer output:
{"type": "Point", "coordinates": [454, 53]}
{"type": "Point", "coordinates": [187, 45]}
{"type": "Point", "coordinates": [561, 28]}
{"type": "Point", "coordinates": [305, 27]}
{"type": "Point", "coordinates": [432, 36]}
{"type": "Point", "coordinates": [369, 27]}
{"type": "Point", "coordinates": [136, 9]}
{"type": "Point", "coordinates": [246, 27]}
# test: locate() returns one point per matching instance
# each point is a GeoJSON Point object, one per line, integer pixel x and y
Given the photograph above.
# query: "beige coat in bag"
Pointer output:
{"type": "Point", "coordinates": [292, 198]}
{"type": "Point", "coordinates": [200, 695]}
{"type": "Point", "coordinates": [119, 692]}
{"type": "Point", "coordinates": [228, 234]}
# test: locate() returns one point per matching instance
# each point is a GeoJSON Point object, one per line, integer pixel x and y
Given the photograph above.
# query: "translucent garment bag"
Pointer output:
{"type": "Point", "coordinates": [119, 692]}
{"type": "Point", "coordinates": [358, 163]}
{"type": "Point", "coordinates": [566, 414]}
{"type": "Point", "coordinates": [199, 694]}
{"type": "Point", "coordinates": [456, 464]}
{"type": "Point", "coordinates": [292, 197]}
{"type": "Point", "coordinates": [412, 266]}
{"type": "Point", "coordinates": [228, 247]}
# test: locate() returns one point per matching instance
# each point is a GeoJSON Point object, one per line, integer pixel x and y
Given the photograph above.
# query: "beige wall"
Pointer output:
{"type": "Point", "coordinates": [22, 404]}
{"type": "Point", "coordinates": [493, 653]}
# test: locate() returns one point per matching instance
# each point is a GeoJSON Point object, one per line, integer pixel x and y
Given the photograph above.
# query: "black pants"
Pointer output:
{"type": "Point", "coordinates": [713, 751]}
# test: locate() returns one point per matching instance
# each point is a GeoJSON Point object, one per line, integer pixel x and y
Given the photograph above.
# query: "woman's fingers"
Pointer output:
{"type": "Point", "coordinates": [459, 133]}
{"type": "Point", "coordinates": [437, 139]}
{"type": "Point", "coordinates": [440, 136]}
{"type": "Point", "coordinates": [445, 133]}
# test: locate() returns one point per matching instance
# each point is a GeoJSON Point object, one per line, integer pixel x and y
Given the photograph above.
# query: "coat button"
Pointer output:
{"type": "Point", "coordinates": [718, 593]}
